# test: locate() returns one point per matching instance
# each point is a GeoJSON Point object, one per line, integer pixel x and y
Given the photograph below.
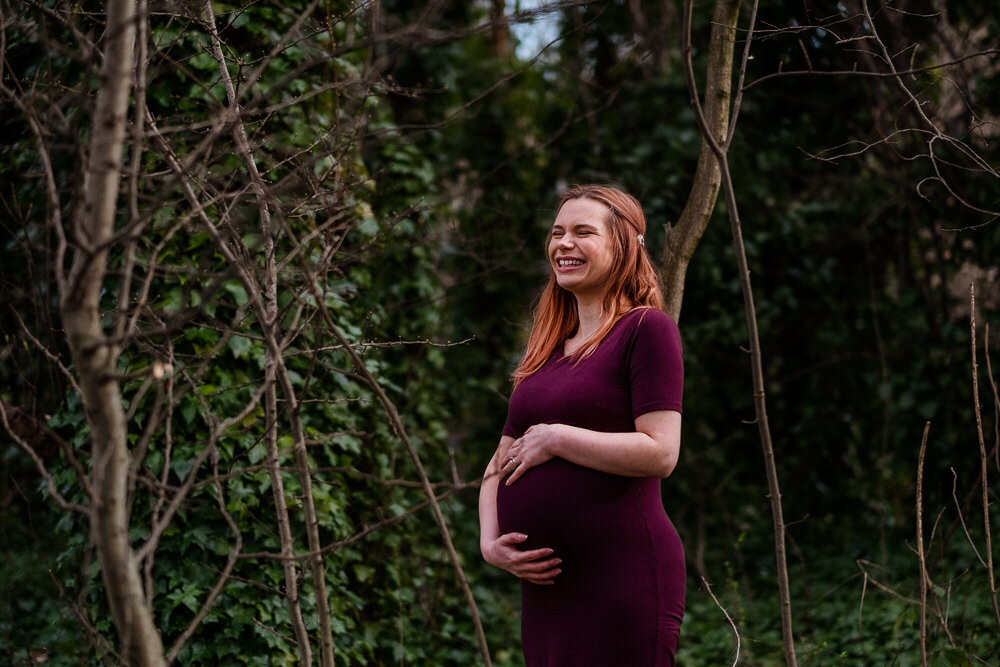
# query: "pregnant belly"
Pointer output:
{"type": "Point", "coordinates": [563, 506]}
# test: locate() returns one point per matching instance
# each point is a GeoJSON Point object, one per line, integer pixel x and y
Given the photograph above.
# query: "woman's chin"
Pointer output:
{"type": "Point", "coordinates": [570, 283]}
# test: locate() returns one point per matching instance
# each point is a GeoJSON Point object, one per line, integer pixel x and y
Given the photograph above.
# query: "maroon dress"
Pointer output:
{"type": "Point", "coordinates": [620, 597]}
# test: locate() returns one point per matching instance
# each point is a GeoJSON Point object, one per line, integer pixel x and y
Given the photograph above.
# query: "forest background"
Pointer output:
{"type": "Point", "coordinates": [267, 267]}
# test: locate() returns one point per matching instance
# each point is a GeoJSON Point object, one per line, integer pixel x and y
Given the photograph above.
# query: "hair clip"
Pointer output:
{"type": "Point", "coordinates": [642, 241]}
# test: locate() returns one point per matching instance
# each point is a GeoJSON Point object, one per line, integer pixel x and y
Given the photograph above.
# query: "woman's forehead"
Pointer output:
{"type": "Point", "coordinates": [582, 211]}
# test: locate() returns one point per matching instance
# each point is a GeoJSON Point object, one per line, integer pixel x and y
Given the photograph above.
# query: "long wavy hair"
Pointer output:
{"type": "Point", "coordinates": [632, 282]}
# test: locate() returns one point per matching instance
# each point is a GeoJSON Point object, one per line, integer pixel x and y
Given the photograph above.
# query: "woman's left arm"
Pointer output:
{"type": "Point", "coordinates": [651, 451]}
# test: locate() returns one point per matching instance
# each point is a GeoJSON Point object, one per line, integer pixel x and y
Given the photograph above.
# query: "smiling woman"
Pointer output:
{"type": "Point", "coordinates": [618, 223]}
{"type": "Point", "coordinates": [593, 425]}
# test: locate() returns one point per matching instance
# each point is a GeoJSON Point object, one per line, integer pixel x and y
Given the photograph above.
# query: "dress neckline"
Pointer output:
{"type": "Point", "coordinates": [561, 347]}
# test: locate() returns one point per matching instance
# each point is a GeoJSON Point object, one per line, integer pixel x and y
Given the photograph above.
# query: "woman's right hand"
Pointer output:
{"type": "Point", "coordinates": [538, 566]}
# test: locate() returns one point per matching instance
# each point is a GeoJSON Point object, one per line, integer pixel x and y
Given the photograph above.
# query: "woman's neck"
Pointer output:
{"type": "Point", "coordinates": [591, 315]}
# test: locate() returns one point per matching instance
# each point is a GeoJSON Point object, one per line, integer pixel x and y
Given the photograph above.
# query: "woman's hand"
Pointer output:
{"type": "Point", "coordinates": [537, 566]}
{"type": "Point", "coordinates": [535, 447]}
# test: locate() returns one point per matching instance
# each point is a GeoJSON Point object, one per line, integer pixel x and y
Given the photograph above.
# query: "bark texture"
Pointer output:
{"type": "Point", "coordinates": [683, 236]}
{"type": "Point", "coordinates": [94, 356]}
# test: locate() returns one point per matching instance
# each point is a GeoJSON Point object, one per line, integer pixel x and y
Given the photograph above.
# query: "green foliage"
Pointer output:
{"type": "Point", "coordinates": [393, 592]}
{"type": "Point", "coordinates": [413, 184]}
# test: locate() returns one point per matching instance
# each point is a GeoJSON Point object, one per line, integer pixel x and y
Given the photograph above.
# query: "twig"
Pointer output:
{"type": "Point", "coordinates": [356, 537]}
{"type": "Point", "coordinates": [961, 517]}
{"type": "Point", "coordinates": [736, 631]}
{"type": "Point", "coordinates": [40, 465]}
{"type": "Point", "coordinates": [54, 358]}
{"type": "Point", "coordinates": [93, 636]}
{"type": "Point", "coordinates": [882, 587]}
{"type": "Point", "coordinates": [875, 75]}
{"type": "Point", "coordinates": [938, 134]}
{"type": "Point", "coordinates": [996, 400]}
{"type": "Point", "coordinates": [920, 546]}
{"type": "Point", "coordinates": [220, 583]}
{"type": "Point", "coordinates": [861, 608]}
{"type": "Point", "coordinates": [982, 458]}
{"type": "Point", "coordinates": [267, 386]}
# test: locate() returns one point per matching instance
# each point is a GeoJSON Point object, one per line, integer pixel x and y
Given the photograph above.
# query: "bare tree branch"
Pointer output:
{"type": "Point", "coordinates": [95, 362]}
{"type": "Point", "coordinates": [983, 470]}
{"type": "Point", "coordinates": [921, 558]}
{"type": "Point", "coordinates": [269, 318]}
{"type": "Point", "coordinates": [682, 238]}
{"type": "Point", "coordinates": [719, 150]}
{"type": "Point", "coordinates": [732, 623]}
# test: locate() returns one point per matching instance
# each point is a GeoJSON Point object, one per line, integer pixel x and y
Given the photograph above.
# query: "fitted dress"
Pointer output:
{"type": "Point", "coordinates": [619, 599]}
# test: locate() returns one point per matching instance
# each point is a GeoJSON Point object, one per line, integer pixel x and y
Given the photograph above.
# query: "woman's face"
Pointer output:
{"type": "Point", "coordinates": [580, 248]}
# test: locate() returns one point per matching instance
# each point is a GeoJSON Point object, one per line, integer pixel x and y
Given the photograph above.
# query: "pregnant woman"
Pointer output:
{"type": "Point", "coordinates": [570, 502]}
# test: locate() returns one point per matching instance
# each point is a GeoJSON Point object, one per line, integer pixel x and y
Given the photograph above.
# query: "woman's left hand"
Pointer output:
{"type": "Point", "coordinates": [535, 447]}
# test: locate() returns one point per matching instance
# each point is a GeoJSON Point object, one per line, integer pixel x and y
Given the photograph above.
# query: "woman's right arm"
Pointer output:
{"type": "Point", "coordinates": [537, 565]}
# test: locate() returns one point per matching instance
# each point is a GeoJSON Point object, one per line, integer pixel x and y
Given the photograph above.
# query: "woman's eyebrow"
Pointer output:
{"type": "Point", "coordinates": [576, 225]}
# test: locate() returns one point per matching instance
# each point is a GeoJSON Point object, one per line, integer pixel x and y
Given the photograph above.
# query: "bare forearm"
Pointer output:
{"type": "Point", "coordinates": [489, 526]}
{"type": "Point", "coordinates": [649, 451]}
{"type": "Point", "coordinates": [630, 454]}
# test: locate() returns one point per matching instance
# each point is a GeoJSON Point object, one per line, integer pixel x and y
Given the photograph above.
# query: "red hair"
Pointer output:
{"type": "Point", "coordinates": [632, 282]}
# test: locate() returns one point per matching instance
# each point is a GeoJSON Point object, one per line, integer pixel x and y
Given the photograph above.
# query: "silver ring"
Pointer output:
{"type": "Point", "coordinates": [512, 459]}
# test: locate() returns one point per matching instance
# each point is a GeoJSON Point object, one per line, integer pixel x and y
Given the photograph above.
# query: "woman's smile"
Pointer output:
{"type": "Point", "coordinates": [568, 263]}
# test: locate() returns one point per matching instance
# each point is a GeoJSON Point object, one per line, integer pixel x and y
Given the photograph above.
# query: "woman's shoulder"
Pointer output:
{"type": "Point", "coordinates": [648, 317]}
{"type": "Point", "coordinates": [648, 328]}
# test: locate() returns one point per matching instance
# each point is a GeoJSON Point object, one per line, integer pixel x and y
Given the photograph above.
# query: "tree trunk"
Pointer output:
{"type": "Point", "coordinates": [501, 31]}
{"type": "Point", "coordinates": [682, 238]}
{"type": "Point", "coordinates": [719, 150]}
{"type": "Point", "coordinates": [94, 358]}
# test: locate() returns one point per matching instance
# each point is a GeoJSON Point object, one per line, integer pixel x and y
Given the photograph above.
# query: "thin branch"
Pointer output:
{"type": "Point", "coordinates": [938, 134]}
{"type": "Point", "coordinates": [760, 405]}
{"type": "Point", "coordinates": [54, 358]}
{"type": "Point", "coordinates": [982, 459]}
{"type": "Point", "coordinates": [736, 632]}
{"type": "Point", "coordinates": [869, 74]}
{"type": "Point", "coordinates": [920, 546]}
{"type": "Point", "coordinates": [882, 587]}
{"type": "Point", "coordinates": [996, 400]}
{"type": "Point", "coordinates": [42, 470]}
{"type": "Point", "coordinates": [961, 517]}
{"type": "Point", "coordinates": [744, 60]}
{"type": "Point", "coordinates": [356, 537]}
{"type": "Point", "coordinates": [234, 553]}
{"type": "Point", "coordinates": [54, 219]}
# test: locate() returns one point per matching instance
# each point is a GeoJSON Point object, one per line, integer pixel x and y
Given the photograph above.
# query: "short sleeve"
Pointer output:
{"type": "Point", "coordinates": [510, 427]}
{"type": "Point", "coordinates": [656, 364]}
